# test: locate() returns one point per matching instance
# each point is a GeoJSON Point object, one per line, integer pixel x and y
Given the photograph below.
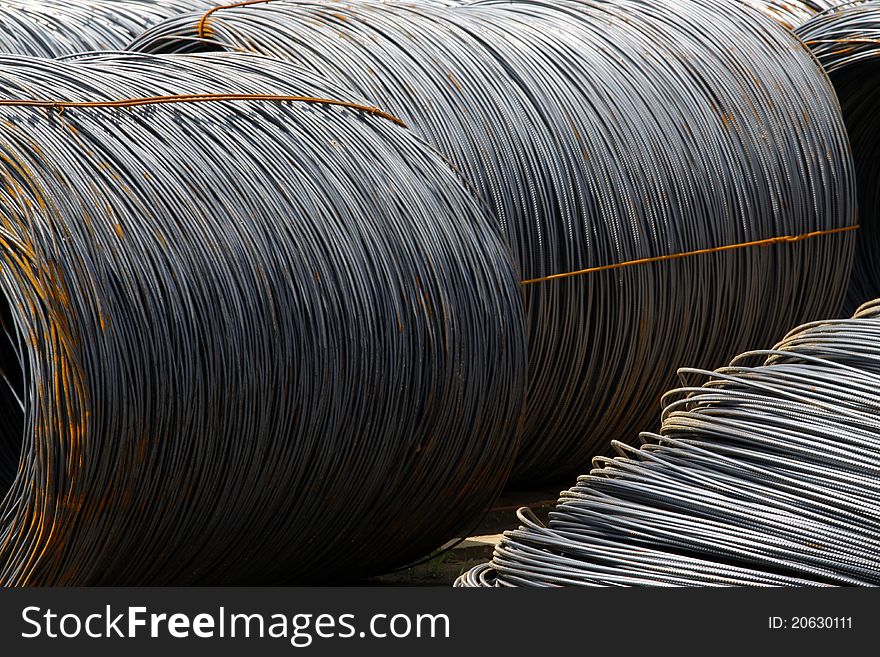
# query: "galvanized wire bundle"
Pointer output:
{"type": "Point", "coordinates": [52, 28]}
{"type": "Point", "coordinates": [608, 137]}
{"type": "Point", "coordinates": [847, 43]}
{"type": "Point", "coordinates": [768, 474]}
{"type": "Point", "coordinates": [249, 340]}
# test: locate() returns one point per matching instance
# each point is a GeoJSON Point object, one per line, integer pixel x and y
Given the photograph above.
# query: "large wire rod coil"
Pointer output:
{"type": "Point", "coordinates": [52, 28]}
{"type": "Point", "coordinates": [609, 138]}
{"type": "Point", "coordinates": [248, 340]}
{"type": "Point", "coordinates": [847, 42]}
{"type": "Point", "coordinates": [791, 13]}
{"type": "Point", "coordinates": [768, 474]}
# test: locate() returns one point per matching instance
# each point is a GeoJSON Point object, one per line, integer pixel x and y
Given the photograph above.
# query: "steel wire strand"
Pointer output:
{"type": "Point", "coordinates": [256, 341]}
{"type": "Point", "coordinates": [641, 159]}
{"type": "Point", "coordinates": [768, 474]}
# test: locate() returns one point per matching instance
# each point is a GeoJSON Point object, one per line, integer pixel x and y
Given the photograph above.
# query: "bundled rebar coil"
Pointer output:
{"type": "Point", "coordinates": [847, 43]}
{"type": "Point", "coordinates": [609, 138]}
{"type": "Point", "coordinates": [768, 474]}
{"type": "Point", "coordinates": [250, 339]}
{"type": "Point", "coordinates": [52, 28]}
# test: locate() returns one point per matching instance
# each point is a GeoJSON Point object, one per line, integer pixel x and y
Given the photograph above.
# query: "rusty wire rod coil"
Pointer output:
{"type": "Point", "coordinates": [260, 341]}
{"type": "Point", "coordinates": [766, 475]}
{"type": "Point", "coordinates": [53, 28]}
{"type": "Point", "coordinates": [846, 41]}
{"type": "Point", "coordinates": [790, 13]}
{"type": "Point", "coordinates": [604, 134]}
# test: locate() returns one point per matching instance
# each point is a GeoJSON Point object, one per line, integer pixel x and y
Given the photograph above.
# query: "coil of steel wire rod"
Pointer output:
{"type": "Point", "coordinates": [846, 41]}
{"type": "Point", "coordinates": [790, 13]}
{"type": "Point", "coordinates": [768, 474]}
{"type": "Point", "coordinates": [610, 138]}
{"type": "Point", "coordinates": [250, 338]}
{"type": "Point", "coordinates": [52, 28]}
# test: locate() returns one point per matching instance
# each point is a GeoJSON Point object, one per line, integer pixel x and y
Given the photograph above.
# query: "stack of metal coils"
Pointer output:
{"type": "Point", "coordinates": [302, 318]}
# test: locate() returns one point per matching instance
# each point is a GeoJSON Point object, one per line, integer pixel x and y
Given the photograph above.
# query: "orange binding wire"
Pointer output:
{"type": "Point", "coordinates": [198, 98]}
{"type": "Point", "coordinates": [686, 254]}
{"type": "Point", "coordinates": [203, 24]}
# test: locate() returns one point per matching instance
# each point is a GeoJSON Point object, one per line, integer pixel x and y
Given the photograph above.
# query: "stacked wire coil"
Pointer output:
{"type": "Point", "coordinates": [248, 338]}
{"type": "Point", "coordinates": [604, 135]}
{"type": "Point", "coordinates": [766, 475]}
{"type": "Point", "coordinates": [846, 40]}
{"type": "Point", "coordinates": [53, 28]}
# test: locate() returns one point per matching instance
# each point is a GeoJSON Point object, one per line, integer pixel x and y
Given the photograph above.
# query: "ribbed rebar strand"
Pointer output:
{"type": "Point", "coordinates": [248, 340]}
{"type": "Point", "coordinates": [766, 475]}
{"type": "Point", "coordinates": [604, 133]}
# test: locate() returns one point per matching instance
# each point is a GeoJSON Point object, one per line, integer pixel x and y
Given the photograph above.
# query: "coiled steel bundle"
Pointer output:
{"type": "Point", "coordinates": [790, 13]}
{"type": "Point", "coordinates": [611, 139]}
{"type": "Point", "coordinates": [846, 41]}
{"type": "Point", "coordinates": [52, 28]}
{"type": "Point", "coordinates": [768, 474]}
{"type": "Point", "coordinates": [250, 338]}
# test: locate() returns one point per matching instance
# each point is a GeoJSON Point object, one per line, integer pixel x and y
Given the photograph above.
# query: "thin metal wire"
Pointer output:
{"type": "Point", "coordinates": [601, 133]}
{"type": "Point", "coordinates": [781, 239]}
{"type": "Point", "coordinates": [246, 341]}
{"type": "Point", "coordinates": [766, 475]}
{"type": "Point", "coordinates": [61, 105]}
